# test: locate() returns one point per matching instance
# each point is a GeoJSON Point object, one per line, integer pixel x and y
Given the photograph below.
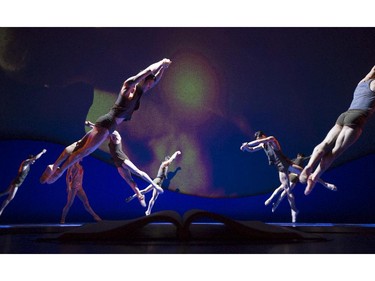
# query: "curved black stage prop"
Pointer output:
{"type": "Point", "coordinates": [194, 225]}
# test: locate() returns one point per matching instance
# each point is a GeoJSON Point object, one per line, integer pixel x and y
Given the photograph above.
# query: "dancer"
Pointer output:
{"type": "Point", "coordinates": [293, 179]}
{"type": "Point", "coordinates": [284, 165]}
{"type": "Point", "coordinates": [127, 102]}
{"type": "Point", "coordinates": [74, 177]}
{"type": "Point", "coordinates": [343, 134]}
{"type": "Point", "coordinates": [125, 167]}
{"type": "Point", "coordinates": [23, 171]}
{"type": "Point", "coordinates": [161, 176]}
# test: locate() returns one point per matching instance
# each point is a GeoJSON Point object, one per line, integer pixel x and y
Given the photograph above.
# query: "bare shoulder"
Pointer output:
{"type": "Point", "coordinates": [271, 139]}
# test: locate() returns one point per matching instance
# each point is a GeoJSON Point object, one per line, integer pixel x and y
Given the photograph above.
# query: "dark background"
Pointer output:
{"type": "Point", "coordinates": [223, 85]}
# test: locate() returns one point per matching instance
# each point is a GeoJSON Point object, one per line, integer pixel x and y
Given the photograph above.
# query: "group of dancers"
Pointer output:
{"type": "Point", "coordinates": [344, 133]}
{"type": "Point", "coordinates": [103, 129]}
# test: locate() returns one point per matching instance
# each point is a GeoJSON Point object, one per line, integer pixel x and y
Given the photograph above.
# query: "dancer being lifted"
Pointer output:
{"type": "Point", "coordinates": [344, 133]}
{"type": "Point", "coordinates": [161, 176]}
{"type": "Point", "coordinates": [127, 102]}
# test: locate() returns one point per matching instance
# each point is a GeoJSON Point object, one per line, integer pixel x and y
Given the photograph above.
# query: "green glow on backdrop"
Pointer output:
{"type": "Point", "coordinates": [102, 103]}
{"type": "Point", "coordinates": [190, 87]}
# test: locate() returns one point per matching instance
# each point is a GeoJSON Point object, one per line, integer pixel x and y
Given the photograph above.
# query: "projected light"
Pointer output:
{"type": "Point", "coordinates": [191, 85]}
{"type": "Point", "coordinates": [103, 101]}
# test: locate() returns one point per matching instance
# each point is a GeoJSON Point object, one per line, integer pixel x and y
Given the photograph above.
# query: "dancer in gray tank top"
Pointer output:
{"type": "Point", "coordinates": [344, 133]}
{"type": "Point", "coordinates": [284, 165]}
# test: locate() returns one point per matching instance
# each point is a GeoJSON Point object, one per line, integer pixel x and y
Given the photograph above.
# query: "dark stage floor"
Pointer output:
{"type": "Point", "coordinates": [209, 238]}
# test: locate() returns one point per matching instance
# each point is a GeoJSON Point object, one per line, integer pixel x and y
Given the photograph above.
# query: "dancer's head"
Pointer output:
{"type": "Point", "coordinates": [147, 83]}
{"type": "Point", "coordinates": [259, 135]}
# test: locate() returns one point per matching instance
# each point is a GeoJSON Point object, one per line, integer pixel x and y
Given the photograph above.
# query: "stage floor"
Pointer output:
{"type": "Point", "coordinates": [156, 238]}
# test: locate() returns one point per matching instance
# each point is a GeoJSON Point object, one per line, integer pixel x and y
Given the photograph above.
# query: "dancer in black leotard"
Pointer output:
{"type": "Point", "coordinates": [160, 177]}
{"type": "Point", "coordinates": [127, 102]}
{"type": "Point", "coordinates": [23, 171]}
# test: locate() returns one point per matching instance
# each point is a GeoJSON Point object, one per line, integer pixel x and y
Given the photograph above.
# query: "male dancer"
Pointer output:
{"type": "Point", "coordinates": [344, 133]}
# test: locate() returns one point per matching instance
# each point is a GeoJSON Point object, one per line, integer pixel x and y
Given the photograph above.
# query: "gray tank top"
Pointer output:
{"type": "Point", "coordinates": [363, 97]}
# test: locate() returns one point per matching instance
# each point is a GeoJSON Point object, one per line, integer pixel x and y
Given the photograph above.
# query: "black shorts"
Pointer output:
{"type": "Point", "coordinates": [293, 178]}
{"type": "Point", "coordinates": [355, 118]}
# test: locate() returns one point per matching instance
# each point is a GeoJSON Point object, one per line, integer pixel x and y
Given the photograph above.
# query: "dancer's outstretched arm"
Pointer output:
{"type": "Point", "coordinates": [39, 154]}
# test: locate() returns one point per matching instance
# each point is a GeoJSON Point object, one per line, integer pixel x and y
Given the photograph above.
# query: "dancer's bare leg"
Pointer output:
{"type": "Point", "coordinates": [88, 144]}
{"type": "Point", "coordinates": [151, 203]}
{"type": "Point", "coordinates": [345, 139]}
{"type": "Point", "coordinates": [125, 174]}
{"type": "Point", "coordinates": [134, 170]}
{"type": "Point", "coordinates": [284, 180]}
{"type": "Point", "coordinates": [281, 197]}
{"type": "Point", "coordinates": [52, 167]}
{"type": "Point", "coordinates": [327, 185]}
{"type": "Point", "coordinates": [319, 151]}
{"type": "Point", "coordinates": [69, 201]}
{"type": "Point", "coordinates": [12, 192]}
{"type": "Point", "coordinates": [275, 192]}
{"type": "Point", "coordinates": [83, 197]}
{"type": "Point", "coordinates": [293, 208]}
{"type": "Point", "coordinates": [142, 191]}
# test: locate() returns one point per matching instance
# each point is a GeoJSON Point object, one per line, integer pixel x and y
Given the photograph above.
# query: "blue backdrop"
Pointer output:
{"type": "Point", "coordinates": [223, 85]}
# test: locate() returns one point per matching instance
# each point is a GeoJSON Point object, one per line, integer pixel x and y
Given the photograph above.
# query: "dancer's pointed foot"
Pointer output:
{"type": "Point", "coordinates": [142, 200]}
{"type": "Point", "coordinates": [158, 188]}
{"type": "Point", "coordinates": [294, 215]}
{"type": "Point", "coordinates": [310, 186]}
{"type": "Point", "coordinates": [304, 175]}
{"type": "Point", "coordinates": [46, 174]}
{"type": "Point", "coordinates": [331, 187]}
{"type": "Point", "coordinates": [97, 218]}
{"type": "Point", "coordinates": [267, 202]}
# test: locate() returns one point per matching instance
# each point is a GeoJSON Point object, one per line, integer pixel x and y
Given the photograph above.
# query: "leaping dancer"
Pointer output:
{"type": "Point", "coordinates": [127, 102]}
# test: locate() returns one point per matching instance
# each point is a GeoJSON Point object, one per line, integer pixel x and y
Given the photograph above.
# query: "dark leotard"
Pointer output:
{"type": "Point", "coordinates": [277, 158]}
{"type": "Point", "coordinates": [123, 108]}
